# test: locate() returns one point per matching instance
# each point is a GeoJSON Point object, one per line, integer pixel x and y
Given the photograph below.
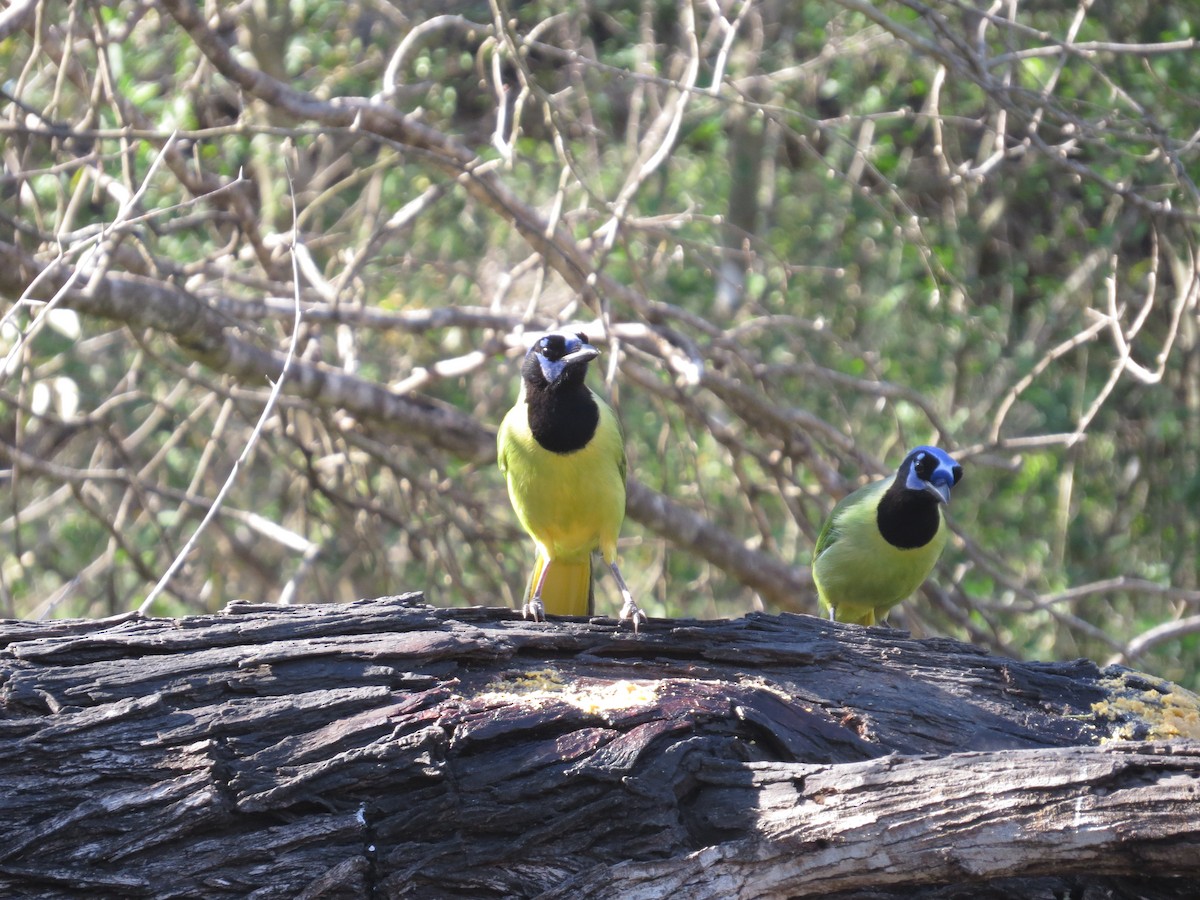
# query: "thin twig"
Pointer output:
{"type": "Point", "coordinates": [244, 457]}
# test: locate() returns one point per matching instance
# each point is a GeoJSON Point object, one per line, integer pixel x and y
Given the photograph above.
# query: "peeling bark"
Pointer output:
{"type": "Point", "coordinates": [389, 749]}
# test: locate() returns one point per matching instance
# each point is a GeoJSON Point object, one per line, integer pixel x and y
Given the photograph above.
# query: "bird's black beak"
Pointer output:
{"type": "Point", "coordinates": [941, 491]}
{"type": "Point", "coordinates": [583, 354]}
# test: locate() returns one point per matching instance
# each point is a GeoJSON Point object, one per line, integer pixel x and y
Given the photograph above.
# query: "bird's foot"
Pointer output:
{"type": "Point", "coordinates": [534, 609]}
{"type": "Point", "coordinates": [631, 612]}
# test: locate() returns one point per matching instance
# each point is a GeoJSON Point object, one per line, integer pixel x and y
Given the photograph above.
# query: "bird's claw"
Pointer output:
{"type": "Point", "coordinates": [534, 609]}
{"type": "Point", "coordinates": [631, 612]}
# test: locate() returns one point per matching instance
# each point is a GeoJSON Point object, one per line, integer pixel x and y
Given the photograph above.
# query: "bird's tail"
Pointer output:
{"type": "Point", "coordinates": [567, 590]}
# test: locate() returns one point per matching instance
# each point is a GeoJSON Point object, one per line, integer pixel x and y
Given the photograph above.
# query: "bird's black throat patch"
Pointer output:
{"type": "Point", "coordinates": [562, 417]}
{"type": "Point", "coordinates": [563, 421]}
{"type": "Point", "coordinates": [907, 519]}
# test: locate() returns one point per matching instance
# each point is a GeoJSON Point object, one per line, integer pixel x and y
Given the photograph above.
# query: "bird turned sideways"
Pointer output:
{"type": "Point", "coordinates": [561, 451]}
{"type": "Point", "coordinates": [881, 542]}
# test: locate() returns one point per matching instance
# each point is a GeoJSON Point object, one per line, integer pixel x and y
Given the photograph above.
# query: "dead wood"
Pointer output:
{"type": "Point", "coordinates": [390, 749]}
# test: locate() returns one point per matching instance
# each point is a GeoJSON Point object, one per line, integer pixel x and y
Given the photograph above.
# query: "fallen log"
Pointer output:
{"type": "Point", "coordinates": [390, 749]}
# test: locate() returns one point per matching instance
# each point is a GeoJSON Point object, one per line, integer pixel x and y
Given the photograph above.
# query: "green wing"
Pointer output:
{"type": "Point", "coordinates": [606, 412]}
{"type": "Point", "coordinates": [829, 534]}
{"type": "Point", "coordinates": [503, 437]}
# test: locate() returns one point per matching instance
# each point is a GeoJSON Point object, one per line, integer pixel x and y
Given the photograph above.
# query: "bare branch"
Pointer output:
{"type": "Point", "coordinates": [14, 18]}
{"type": "Point", "coordinates": [251, 441]}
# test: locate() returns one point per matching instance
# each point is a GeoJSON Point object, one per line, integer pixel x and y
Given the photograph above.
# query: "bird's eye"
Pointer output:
{"type": "Point", "coordinates": [923, 465]}
{"type": "Point", "coordinates": [544, 344]}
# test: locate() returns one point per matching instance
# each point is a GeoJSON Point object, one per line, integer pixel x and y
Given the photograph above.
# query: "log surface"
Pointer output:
{"type": "Point", "coordinates": [390, 749]}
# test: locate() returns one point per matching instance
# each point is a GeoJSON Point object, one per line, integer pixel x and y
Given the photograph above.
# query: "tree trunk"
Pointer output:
{"type": "Point", "coordinates": [389, 749]}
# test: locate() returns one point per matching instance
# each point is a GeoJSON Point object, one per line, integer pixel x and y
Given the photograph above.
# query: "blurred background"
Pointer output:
{"type": "Point", "coordinates": [806, 235]}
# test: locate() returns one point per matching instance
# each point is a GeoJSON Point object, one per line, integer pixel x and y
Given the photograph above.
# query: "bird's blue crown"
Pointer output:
{"type": "Point", "coordinates": [557, 351]}
{"type": "Point", "coordinates": [931, 469]}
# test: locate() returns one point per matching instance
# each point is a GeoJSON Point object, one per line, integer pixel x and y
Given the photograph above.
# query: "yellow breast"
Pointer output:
{"type": "Point", "coordinates": [569, 503]}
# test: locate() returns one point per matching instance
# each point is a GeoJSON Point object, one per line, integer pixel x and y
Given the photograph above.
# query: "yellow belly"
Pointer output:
{"type": "Point", "coordinates": [569, 503]}
{"type": "Point", "coordinates": [561, 505]}
{"type": "Point", "coordinates": [861, 576]}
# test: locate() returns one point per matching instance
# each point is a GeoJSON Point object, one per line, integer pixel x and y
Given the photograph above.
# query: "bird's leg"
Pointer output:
{"type": "Point", "coordinates": [534, 609]}
{"type": "Point", "coordinates": [533, 606]}
{"type": "Point", "coordinates": [629, 610]}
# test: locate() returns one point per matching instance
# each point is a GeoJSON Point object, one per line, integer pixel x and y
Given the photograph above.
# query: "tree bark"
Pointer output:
{"type": "Point", "coordinates": [390, 749]}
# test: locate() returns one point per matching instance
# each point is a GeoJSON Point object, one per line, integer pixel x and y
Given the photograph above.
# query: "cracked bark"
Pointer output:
{"type": "Point", "coordinates": [390, 749]}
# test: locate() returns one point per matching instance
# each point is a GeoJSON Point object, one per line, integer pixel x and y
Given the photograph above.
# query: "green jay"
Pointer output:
{"type": "Point", "coordinates": [561, 451]}
{"type": "Point", "coordinates": [881, 542]}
